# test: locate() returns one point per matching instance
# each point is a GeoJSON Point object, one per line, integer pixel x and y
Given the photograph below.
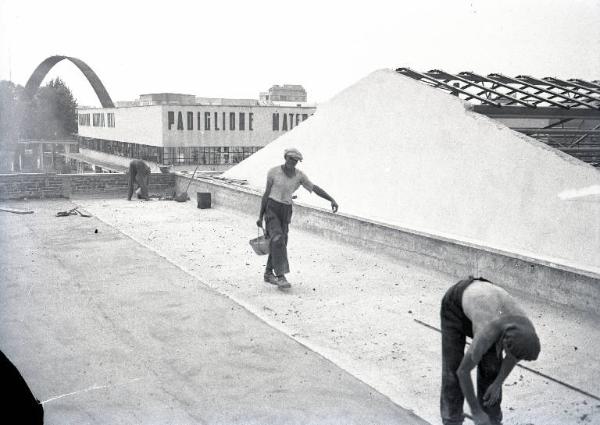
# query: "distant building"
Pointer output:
{"type": "Point", "coordinates": [285, 93]}
{"type": "Point", "coordinates": [181, 129]}
{"type": "Point", "coordinates": [166, 99]}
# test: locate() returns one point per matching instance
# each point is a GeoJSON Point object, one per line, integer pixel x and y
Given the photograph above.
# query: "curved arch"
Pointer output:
{"type": "Point", "coordinates": [43, 68]}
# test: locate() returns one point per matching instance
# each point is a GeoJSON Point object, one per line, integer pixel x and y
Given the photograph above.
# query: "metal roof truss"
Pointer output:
{"type": "Point", "coordinates": [567, 111]}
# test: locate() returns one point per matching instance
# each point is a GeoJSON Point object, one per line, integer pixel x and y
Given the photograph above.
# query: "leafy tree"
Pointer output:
{"type": "Point", "coordinates": [10, 113]}
{"type": "Point", "coordinates": [50, 115]}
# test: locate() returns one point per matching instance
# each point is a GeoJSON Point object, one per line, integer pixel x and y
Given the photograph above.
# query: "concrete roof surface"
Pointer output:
{"type": "Point", "coordinates": [162, 317]}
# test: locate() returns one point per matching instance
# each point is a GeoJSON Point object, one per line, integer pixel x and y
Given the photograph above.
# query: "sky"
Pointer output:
{"type": "Point", "coordinates": [239, 48]}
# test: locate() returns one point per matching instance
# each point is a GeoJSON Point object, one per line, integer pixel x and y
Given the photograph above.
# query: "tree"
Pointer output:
{"type": "Point", "coordinates": [10, 113]}
{"type": "Point", "coordinates": [50, 115]}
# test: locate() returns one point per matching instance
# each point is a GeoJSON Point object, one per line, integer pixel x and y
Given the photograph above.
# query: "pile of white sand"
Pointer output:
{"type": "Point", "coordinates": [394, 150]}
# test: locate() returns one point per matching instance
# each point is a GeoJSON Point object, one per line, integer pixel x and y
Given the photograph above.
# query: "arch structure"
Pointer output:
{"type": "Point", "coordinates": [43, 68]}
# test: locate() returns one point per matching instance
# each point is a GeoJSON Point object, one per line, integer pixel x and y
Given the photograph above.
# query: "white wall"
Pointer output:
{"type": "Point", "coordinates": [137, 124]}
{"type": "Point", "coordinates": [149, 125]}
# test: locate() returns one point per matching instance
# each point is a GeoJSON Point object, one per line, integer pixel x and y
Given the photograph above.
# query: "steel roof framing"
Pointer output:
{"type": "Point", "coordinates": [573, 88]}
{"type": "Point", "coordinates": [534, 82]}
{"type": "Point", "coordinates": [437, 83]}
{"type": "Point", "coordinates": [573, 102]}
{"type": "Point", "coordinates": [523, 90]}
{"type": "Point", "coordinates": [498, 82]}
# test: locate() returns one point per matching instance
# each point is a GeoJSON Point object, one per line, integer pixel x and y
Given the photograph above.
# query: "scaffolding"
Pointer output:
{"type": "Point", "coordinates": [564, 114]}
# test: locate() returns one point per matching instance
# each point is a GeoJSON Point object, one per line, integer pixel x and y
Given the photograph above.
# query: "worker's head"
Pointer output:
{"type": "Point", "coordinates": [521, 341]}
{"type": "Point", "coordinates": [292, 153]}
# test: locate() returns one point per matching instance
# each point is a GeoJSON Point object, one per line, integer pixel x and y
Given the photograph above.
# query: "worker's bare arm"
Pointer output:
{"type": "Point", "coordinates": [492, 394]}
{"type": "Point", "coordinates": [466, 385]}
{"type": "Point", "coordinates": [320, 192]}
{"type": "Point", "coordinates": [482, 342]}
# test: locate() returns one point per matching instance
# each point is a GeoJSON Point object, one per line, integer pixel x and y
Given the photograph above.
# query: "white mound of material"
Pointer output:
{"type": "Point", "coordinates": [394, 150]}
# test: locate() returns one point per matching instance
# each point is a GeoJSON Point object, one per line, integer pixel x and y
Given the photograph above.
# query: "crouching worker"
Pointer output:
{"type": "Point", "coordinates": [139, 172]}
{"type": "Point", "coordinates": [276, 209]}
{"type": "Point", "coordinates": [478, 309]}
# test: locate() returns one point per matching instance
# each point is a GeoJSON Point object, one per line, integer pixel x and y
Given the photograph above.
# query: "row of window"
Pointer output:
{"type": "Point", "coordinates": [203, 155]}
{"type": "Point", "coordinates": [98, 119]}
{"type": "Point", "coordinates": [208, 155]}
{"type": "Point", "coordinates": [128, 150]}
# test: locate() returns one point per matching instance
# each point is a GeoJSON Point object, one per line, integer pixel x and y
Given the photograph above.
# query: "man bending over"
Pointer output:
{"type": "Point", "coordinates": [139, 172]}
{"type": "Point", "coordinates": [487, 313]}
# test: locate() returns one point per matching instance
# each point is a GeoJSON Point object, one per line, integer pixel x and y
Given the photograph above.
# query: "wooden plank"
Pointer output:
{"type": "Point", "coordinates": [15, 210]}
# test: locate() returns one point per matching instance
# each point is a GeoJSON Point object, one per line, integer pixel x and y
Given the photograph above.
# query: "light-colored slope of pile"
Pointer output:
{"type": "Point", "coordinates": [394, 150]}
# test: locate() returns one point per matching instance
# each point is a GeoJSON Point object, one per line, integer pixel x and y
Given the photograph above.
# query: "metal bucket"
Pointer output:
{"type": "Point", "coordinates": [260, 245]}
{"type": "Point", "coordinates": [204, 199]}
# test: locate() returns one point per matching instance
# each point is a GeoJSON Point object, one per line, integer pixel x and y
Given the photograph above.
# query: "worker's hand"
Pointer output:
{"type": "Point", "coordinates": [334, 206]}
{"type": "Point", "coordinates": [481, 418]}
{"type": "Point", "coordinates": [259, 222]}
{"type": "Point", "coordinates": [492, 395]}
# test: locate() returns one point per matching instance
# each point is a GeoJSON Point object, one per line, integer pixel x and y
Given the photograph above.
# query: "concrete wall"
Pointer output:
{"type": "Point", "coordinates": [18, 186]}
{"type": "Point", "coordinates": [149, 125]}
{"type": "Point", "coordinates": [556, 284]}
{"type": "Point", "coordinates": [141, 125]}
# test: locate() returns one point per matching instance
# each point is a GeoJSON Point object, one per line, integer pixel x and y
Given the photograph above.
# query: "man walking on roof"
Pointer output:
{"type": "Point", "coordinates": [276, 209]}
{"type": "Point", "coordinates": [477, 308]}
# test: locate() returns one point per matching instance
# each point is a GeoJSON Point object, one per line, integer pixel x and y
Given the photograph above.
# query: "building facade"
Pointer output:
{"type": "Point", "coordinates": [285, 93]}
{"type": "Point", "coordinates": [175, 129]}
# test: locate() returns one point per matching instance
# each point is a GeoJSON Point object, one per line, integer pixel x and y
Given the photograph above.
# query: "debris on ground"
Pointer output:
{"type": "Point", "coordinates": [164, 197]}
{"type": "Point", "coordinates": [16, 210]}
{"type": "Point", "coordinates": [73, 211]}
{"type": "Point", "coordinates": [182, 197]}
{"type": "Point", "coordinates": [230, 180]}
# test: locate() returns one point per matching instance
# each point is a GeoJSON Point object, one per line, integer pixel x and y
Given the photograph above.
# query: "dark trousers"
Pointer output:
{"type": "Point", "coordinates": [456, 326]}
{"type": "Point", "coordinates": [138, 174]}
{"type": "Point", "coordinates": [277, 221]}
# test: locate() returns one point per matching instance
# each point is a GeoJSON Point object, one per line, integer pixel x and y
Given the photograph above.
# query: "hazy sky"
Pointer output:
{"type": "Point", "coordinates": [239, 48]}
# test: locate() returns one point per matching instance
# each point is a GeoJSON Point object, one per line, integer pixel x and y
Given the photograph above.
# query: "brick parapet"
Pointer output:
{"type": "Point", "coordinates": [19, 186]}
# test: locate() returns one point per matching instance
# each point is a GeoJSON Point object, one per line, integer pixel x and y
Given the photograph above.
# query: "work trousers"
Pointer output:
{"type": "Point", "coordinates": [456, 326]}
{"type": "Point", "coordinates": [138, 174]}
{"type": "Point", "coordinates": [277, 220]}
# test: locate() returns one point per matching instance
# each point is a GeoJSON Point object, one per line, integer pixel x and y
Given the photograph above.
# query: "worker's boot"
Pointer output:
{"type": "Point", "coordinates": [269, 277]}
{"type": "Point", "coordinates": [282, 282]}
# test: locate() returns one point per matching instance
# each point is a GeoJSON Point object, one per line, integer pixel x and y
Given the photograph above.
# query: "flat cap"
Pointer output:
{"type": "Point", "coordinates": [293, 153]}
